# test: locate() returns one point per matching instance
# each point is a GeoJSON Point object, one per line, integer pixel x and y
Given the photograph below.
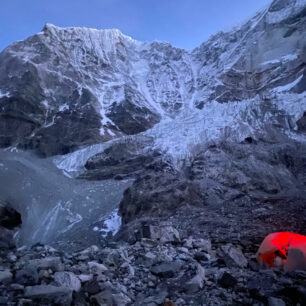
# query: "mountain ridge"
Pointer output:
{"type": "Point", "coordinates": [126, 87]}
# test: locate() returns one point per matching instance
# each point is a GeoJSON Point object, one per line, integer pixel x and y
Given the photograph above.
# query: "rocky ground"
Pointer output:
{"type": "Point", "coordinates": [164, 265]}
{"type": "Point", "coordinates": [189, 235]}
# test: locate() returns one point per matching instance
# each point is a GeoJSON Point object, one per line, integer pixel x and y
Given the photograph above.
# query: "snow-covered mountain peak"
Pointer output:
{"type": "Point", "coordinates": [126, 86]}
{"type": "Point", "coordinates": [99, 36]}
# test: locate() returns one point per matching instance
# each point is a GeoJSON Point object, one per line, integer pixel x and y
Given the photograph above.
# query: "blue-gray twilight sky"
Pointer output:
{"type": "Point", "coordinates": [183, 23]}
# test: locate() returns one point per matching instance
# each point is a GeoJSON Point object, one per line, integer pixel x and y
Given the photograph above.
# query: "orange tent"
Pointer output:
{"type": "Point", "coordinates": [285, 250]}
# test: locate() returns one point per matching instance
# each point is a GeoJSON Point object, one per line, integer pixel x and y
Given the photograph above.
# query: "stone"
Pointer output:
{"type": "Point", "coordinates": [85, 277]}
{"type": "Point", "coordinates": [5, 276]}
{"type": "Point", "coordinates": [227, 280]}
{"type": "Point", "coordinates": [128, 268]}
{"type": "Point", "coordinates": [272, 301]}
{"type": "Point", "coordinates": [54, 263]}
{"type": "Point", "coordinates": [67, 280]}
{"type": "Point", "coordinates": [25, 302]}
{"type": "Point", "coordinates": [27, 276]}
{"type": "Point", "coordinates": [11, 257]}
{"type": "Point", "coordinates": [183, 250]}
{"type": "Point", "coordinates": [197, 282]}
{"type": "Point", "coordinates": [49, 294]}
{"type": "Point", "coordinates": [17, 287]}
{"type": "Point", "coordinates": [203, 244]}
{"type": "Point", "coordinates": [156, 299]}
{"type": "Point", "coordinates": [150, 255]}
{"type": "Point", "coordinates": [121, 299]}
{"type": "Point", "coordinates": [96, 268]}
{"type": "Point", "coordinates": [200, 256]}
{"type": "Point", "coordinates": [103, 298]}
{"type": "Point", "coordinates": [43, 274]}
{"type": "Point", "coordinates": [233, 256]}
{"type": "Point", "coordinates": [92, 286]}
{"type": "Point", "coordinates": [162, 233]}
{"type": "Point", "coordinates": [166, 269]}
{"type": "Point", "coordinates": [90, 250]}
{"type": "Point", "coordinates": [169, 234]}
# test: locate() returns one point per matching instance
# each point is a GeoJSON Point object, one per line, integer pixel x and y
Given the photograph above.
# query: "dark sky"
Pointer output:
{"type": "Point", "coordinates": [183, 23]}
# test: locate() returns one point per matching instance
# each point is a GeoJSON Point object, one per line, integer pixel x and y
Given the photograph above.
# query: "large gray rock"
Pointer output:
{"type": "Point", "coordinates": [48, 294]}
{"type": "Point", "coordinates": [5, 276]}
{"type": "Point", "coordinates": [227, 280]}
{"type": "Point", "coordinates": [272, 301]}
{"type": "Point", "coordinates": [197, 281]}
{"type": "Point", "coordinates": [68, 280]}
{"type": "Point", "coordinates": [96, 267]}
{"type": "Point", "coordinates": [54, 263]}
{"type": "Point", "coordinates": [161, 233]}
{"type": "Point", "coordinates": [166, 269]}
{"type": "Point", "coordinates": [27, 276]}
{"type": "Point", "coordinates": [233, 256]}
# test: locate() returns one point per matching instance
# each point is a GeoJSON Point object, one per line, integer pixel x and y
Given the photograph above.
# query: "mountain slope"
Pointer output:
{"type": "Point", "coordinates": [68, 87]}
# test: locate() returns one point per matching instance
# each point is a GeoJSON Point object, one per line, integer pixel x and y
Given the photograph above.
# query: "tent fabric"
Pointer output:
{"type": "Point", "coordinates": [283, 249]}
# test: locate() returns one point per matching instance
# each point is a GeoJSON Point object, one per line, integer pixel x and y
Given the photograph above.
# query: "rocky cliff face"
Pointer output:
{"type": "Point", "coordinates": [64, 88]}
{"type": "Point", "coordinates": [266, 52]}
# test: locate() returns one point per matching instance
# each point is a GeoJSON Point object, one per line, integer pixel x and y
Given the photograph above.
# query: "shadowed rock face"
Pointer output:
{"type": "Point", "coordinates": [301, 123]}
{"type": "Point", "coordinates": [222, 173]}
{"type": "Point", "coordinates": [128, 159]}
{"type": "Point", "coordinates": [10, 222]}
{"type": "Point", "coordinates": [9, 217]}
{"type": "Point", "coordinates": [54, 102]}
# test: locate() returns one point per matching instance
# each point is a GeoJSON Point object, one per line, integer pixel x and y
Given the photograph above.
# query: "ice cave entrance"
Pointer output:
{"type": "Point", "coordinates": [287, 250]}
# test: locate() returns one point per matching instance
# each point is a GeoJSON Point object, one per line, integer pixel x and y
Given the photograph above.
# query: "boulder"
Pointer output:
{"type": "Point", "coordinates": [105, 297]}
{"type": "Point", "coordinates": [203, 244]}
{"type": "Point", "coordinates": [27, 276]}
{"type": "Point", "coordinates": [121, 299]}
{"type": "Point", "coordinates": [92, 286]}
{"type": "Point", "coordinates": [85, 277]}
{"type": "Point", "coordinates": [233, 256]}
{"type": "Point", "coordinates": [5, 276]}
{"type": "Point", "coordinates": [272, 301]}
{"type": "Point", "coordinates": [48, 294]}
{"type": "Point", "coordinates": [162, 233]}
{"type": "Point", "coordinates": [54, 263]}
{"type": "Point", "coordinates": [158, 298]}
{"type": "Point", "coordinates": [97, 268]}
{"type": "Point", "coordinates": [166, 269]}
{"type": "Point", "coordinates": [227, 280]}
{"type": "Point", "coordinates": [197, 281]}
{"type": "Point", "coordinates": [67, 280]}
